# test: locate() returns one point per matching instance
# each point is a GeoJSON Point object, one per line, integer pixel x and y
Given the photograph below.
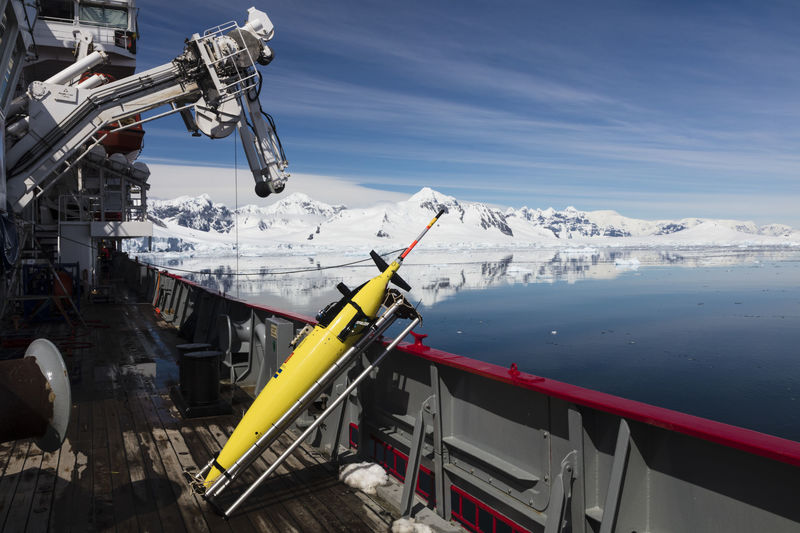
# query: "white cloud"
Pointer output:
{"type": "Point", "coordinates": [170, 181]}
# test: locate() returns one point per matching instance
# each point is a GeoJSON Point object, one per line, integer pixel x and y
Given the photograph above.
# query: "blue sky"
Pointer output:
{"type": "Point", "coordinates": [653, 109]}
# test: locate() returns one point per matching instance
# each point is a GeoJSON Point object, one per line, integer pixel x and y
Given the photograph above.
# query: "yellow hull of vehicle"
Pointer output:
{"type": "Point", "coordinates": [310, 360]}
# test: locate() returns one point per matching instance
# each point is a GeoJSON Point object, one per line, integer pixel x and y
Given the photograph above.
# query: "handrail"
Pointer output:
{"type": "Point", "coordinates": [750, 441]}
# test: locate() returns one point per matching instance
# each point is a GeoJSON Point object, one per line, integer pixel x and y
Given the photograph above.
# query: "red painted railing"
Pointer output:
{"type": "Point", "coordinates": [747, 440]}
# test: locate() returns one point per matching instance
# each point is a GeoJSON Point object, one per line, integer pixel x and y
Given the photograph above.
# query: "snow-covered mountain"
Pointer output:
{"type": "Point", "coordinates": [299, 224]}
{"type": "Point", "coordinates": [198, 213]}
{"type": "Point", "coordinates": [202, 214]}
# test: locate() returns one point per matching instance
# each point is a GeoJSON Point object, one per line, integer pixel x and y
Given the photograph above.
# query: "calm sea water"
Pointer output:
{"type": "Point", "coordinates": [714, 333]}
{"type": "Point", "coordinates": [721, 343]}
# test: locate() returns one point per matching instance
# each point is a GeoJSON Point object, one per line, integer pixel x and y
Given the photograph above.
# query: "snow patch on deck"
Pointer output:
{"type": "Point", "coordinates": [409, 525]}
{"type": "Point", "coordinates": [363, 476]}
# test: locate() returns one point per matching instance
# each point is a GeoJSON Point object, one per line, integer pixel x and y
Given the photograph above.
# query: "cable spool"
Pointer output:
{"type": "Point", "coordinates": [234, 337]}
{"type": "Point", "coordinates": [35, 396]}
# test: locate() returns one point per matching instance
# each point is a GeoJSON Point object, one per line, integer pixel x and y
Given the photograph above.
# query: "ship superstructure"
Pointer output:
{"type": "Point", "coordinates": [103, 197]}
{"type": "Point", "coordinates": [68, 30]}
{"type": "Point", "coordinates": [73, 131]}
{"type": "Point", "coordinates": [70, 185]}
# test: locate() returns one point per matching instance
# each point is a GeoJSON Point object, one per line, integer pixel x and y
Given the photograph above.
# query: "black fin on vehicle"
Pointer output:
{"type": "Point", "coordinates": [343, 289]}
{"type": "Point", "coordinates": [383, 265]}
{"type": "Point", "coordinates": [379, 262]}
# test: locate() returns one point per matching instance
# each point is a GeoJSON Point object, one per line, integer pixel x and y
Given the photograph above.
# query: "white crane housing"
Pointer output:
{"type": "Point", "coordinates": [55, 124]}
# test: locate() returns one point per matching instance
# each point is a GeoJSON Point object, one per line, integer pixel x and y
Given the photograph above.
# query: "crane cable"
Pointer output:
{"type": "Point", "coordinates": [253, 273]}
{"type": "Point", "coordinates": [236, 207]}
{"type": "Point", "coordinates": [267, 273]}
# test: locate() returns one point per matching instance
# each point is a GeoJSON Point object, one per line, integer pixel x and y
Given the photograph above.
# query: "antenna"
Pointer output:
{"type": "Point", "coordinates": [382, 265]}
{"type": "Point", "coordinates": [419, 237]}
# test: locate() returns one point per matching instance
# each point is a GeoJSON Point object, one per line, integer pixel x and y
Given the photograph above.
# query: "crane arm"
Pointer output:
{"type": "Point", "coordinates": [261, 146]}
{"type": "Point", "coordinates": [56, 124]}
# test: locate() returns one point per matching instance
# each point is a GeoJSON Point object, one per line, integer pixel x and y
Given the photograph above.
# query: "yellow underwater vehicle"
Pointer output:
{"type": "Point", "coordinates": [344, 329]}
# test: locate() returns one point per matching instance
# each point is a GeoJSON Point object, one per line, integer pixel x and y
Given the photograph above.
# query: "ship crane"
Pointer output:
{"type": "Point", "coordinates": [214, 84]}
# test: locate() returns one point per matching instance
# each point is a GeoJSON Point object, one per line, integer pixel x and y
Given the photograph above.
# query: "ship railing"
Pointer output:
{"type": "Point", "coordinates": [237, 78]}
{"type": "Point", "coordinates": [111, 206]}
{"type": "Point", "coordinates": [56, 19]}
{"type": "Point", "coordinates": [497, 449]}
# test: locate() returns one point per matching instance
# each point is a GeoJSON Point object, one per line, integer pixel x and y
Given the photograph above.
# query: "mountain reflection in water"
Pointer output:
{"type": "Point", "coordinates": [305, 283]}
{"type": "Point", "coordinates": [713, 332]}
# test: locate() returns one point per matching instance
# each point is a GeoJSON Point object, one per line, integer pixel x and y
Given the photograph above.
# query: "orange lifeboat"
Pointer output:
{"type": "Point", "coordinates": [123, 141]}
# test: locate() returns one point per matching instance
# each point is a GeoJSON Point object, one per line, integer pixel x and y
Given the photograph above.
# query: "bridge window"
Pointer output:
{"type": "Point", "coordinates": [57, 9]}
{"type": "Point", "coordinates": [110, 17]}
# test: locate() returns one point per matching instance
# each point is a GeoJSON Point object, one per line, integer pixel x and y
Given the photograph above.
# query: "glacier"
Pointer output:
{"type": "Point", "coordinates": [300, 225]}
{"type": "Point", "coordinates": [293, 252]}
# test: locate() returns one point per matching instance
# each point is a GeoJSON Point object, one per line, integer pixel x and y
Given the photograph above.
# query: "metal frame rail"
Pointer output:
{"type": "Point", "coordinates": [377, 328]}
{"type": "Point", "coordinates": [339, 399]}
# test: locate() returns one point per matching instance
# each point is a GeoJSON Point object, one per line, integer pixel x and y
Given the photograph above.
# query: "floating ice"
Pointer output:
{"type": "Point", "coordinates": [627, 264]}
{"type": "Point", "coordinates": [409, 525]}
{"type": "Point", "coordinates": [364, 476]}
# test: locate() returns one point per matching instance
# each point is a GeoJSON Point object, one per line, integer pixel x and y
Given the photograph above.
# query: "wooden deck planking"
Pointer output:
{"type": "Point", "coordinates": [20, 507]}
{"type": "Point", "coordinates": [79, 510]}
{"type": "Point", "coordinates": [378, 518]}
{"type": "Point", "coordinates": [273, 496]}
{"type": "Point", "coordinates": [121, 465]}
{"type": "Point", "coordinates": [11, 477]}
{"type": "Point", "coordinates": [102, 492]}
{"type": "Point", "coordinates": [201, 454]}
{"type": "Point", "coordinates": [273, 517]}
{"type": "Point", "coordinates": [124, 509]}
{"type": "Point", "coordinates": [297, 499]}
{"type": "Point", "coordinates": [44, 492]}
{"type": "Point", "coordinates": [322, 487]}
{"type": "Point", "coordinates": [144, 501]}
{"type": "Point", "coordinates": [63, 486]}
{"type": "Point", "coordinates": [177, 458]}
{"type": "Point", "coordinates": [187, 504]}
{"type": "Point", "coordinates": [161, 491]}
{"type": "Point", "coordinates": [340, 495]}
{"type": "Point", "coordinates": [5, 455]}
